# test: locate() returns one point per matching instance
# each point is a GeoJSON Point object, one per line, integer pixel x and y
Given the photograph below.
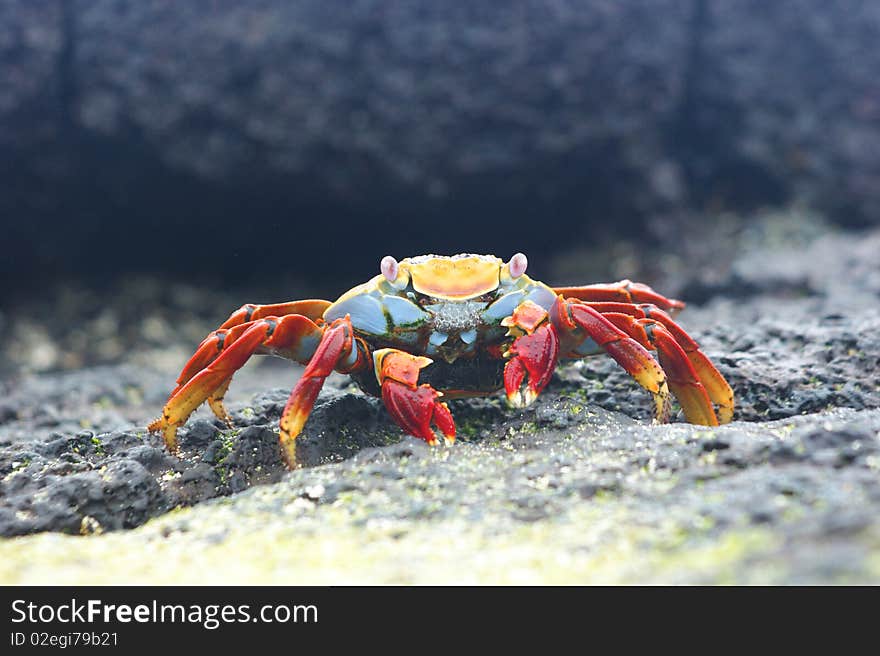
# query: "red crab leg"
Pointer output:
{"type": "Point", "coordinates": [208, 351]}
{"type": "Point", "coordinates": [715, 384]}
{"type": "Point", "coordinates": [275, 334]}
{"type": "Point", "coordinates": [535, 352]}
{"type": "Point", "coordinates": [624, 291]}
{"type": "Point", "coordinates": [414, 407]}
{"type": "Point", "coordinates": [213, 344]}
{"type": "Point", "coordinates": [683, 379]}
{"type": "Point", "coordinates": [311, 308]}
{"type": "Point", "coordinates": [570, 315]}
{"type": "Point", "coordinates": [335, 351]}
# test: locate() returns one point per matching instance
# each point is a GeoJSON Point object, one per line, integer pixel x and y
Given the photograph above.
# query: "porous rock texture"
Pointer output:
{"type": "Point", "coordinates": [578, 488]}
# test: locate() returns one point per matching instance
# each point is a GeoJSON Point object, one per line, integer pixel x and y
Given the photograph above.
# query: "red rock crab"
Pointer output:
{"type": "Point", "coordinates": [435, 327]}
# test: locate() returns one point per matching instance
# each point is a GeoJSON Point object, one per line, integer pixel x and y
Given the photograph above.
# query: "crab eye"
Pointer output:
{"type": "Point", "coordinates": [518, 264]}
{"type": "Point", "coordinates": [389, 268]}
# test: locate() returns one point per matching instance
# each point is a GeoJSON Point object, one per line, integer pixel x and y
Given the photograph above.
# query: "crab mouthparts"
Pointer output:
{"type": "Point", "coordinates": [456, 316]}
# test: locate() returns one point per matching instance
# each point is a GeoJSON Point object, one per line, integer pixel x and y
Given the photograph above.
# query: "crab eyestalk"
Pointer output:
{"type": "Point", "coordinates": [517, 265]}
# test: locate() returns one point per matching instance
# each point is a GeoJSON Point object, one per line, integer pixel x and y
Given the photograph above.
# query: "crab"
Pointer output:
{"type": "Point", "coordinates": [432, 328]}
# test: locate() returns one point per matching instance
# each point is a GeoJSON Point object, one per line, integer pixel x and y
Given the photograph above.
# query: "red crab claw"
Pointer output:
{"type": "Point", "coordinates": [414, 407]}
{"type": "Point", "coordinates": [534, 354]}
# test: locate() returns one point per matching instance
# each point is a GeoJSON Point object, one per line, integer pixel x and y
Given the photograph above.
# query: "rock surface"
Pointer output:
{"type": "Point", "coordinates": [580, 487]}
{"type": "Point", "coordinates": [415, 93]}
{"type": "Point", "coordinates": [575, 495]}
{"type": "Point", "coordinates": [603, 116]}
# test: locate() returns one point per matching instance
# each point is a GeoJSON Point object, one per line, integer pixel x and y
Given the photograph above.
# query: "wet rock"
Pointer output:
{"type": "Point", "coordinates": [578, 487]}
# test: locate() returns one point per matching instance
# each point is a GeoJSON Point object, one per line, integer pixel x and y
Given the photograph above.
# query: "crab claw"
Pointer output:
{"type": "Point", "coordinates": [533, 355]}
{"type": "Point", "coordinates": [414, 407]}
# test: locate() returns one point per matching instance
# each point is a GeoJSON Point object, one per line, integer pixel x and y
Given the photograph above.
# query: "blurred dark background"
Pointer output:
{"type": "Point", "coordinates": [288, 145]}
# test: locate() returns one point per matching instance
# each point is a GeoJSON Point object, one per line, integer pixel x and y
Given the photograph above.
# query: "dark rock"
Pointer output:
{"type": "Point", "coordinates": [636, 109]}
{"type": "Point", "coordinates": [590, 489]}
{"type": "Point", "coordinates": [715, 445]}
{"type": "Point", "coordinates": [199, 434]}
{"type": "Point", "coordinates": [155, 460]}
{"type": "Point", "coordinates": [7, 412]}
{"type": "Point", "coordinates": [193, 485]}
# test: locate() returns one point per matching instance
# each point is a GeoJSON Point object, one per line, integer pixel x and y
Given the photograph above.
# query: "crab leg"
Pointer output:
{"type": "Point", "coordinates": [716, 386]}
{"type": "Point", "coordinates": [298, 349]}
{"type": "Point", "coordinates": [414, 407]}
{"type": "Point", "coordinates": [572, 316]}
{"type": "Point", "coordinates": [215, 402]}
{"type": "Point", "coordinates": [311, 308]}
{"type": "Point", "coordinates": [208, 351]}
{"type": "Point", "coordinates": [230, 330]}
{"type": "Point", "coordinates": [337, 350]}
{"type": "Point", "coordinates": [284, 335]}
{"type": "Point", "coordinates": [624, 291]}
{"type": "Point", "coordinates": [683, 379]}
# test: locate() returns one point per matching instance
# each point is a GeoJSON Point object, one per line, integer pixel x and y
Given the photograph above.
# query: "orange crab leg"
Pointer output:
{"type": "Point", "coordinates": [205, 354]}
{"type": "Point", "coordinates": [573, 318]}
{"type": "Point", "coordinates": [272, 334]}
{"type": "Point", "coordinates": [716, 386]}
{"type": "Point", "coordinates": [208, 351]}
{"type": "Point", "coordinates": [624, 291]}
{"type": "Point", "coordinates": [413, 407]}
{"type": "Point", "coordinates": [300, 336]}
{"type": "Point", "coordinates": [215, 402]}
{"type": "Point", "coordinates": [683, 379]}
